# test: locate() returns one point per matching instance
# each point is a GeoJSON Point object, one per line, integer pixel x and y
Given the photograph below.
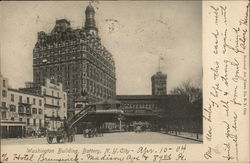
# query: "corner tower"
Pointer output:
{"type": "Point", "coordinates": [159, 84]}
{"type": "Point", "coordinates": [90, 24]}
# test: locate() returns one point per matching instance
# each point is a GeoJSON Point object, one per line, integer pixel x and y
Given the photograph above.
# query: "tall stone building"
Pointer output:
{"type": "Point", "coordinates": [77, 59]}
{"type": "Point", "coordinates": [159, 84]}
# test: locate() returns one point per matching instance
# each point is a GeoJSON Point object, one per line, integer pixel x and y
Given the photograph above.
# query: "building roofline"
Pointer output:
{"type": "Point", "coordinates": [24, 92]}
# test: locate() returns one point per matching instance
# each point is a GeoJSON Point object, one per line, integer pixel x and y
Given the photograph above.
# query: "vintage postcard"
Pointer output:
{"type": "Point", "coordinates": [124, 81]}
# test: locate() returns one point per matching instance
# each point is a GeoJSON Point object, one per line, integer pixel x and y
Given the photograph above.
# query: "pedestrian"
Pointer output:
{"type": "Point", "coordinates": [84, 133]}
{"type": "Point", "coordinates": [87, 132]}
{"type": "Point", "coordinates": [95, 132]}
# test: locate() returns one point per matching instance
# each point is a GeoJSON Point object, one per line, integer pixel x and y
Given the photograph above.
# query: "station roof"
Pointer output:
{"type": "Point", "coordinates": [107, 101]}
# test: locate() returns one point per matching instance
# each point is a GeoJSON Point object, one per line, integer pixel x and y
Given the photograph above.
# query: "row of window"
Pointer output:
{"type": "Point", "coordinates": [74, 66]}
{"type": "Point", "coordinates": [53, 93]}
{"type": "Point", "coordinates": [107, 60]}
{"type": "Point", "coordinates": [136, 111]}
{"type": "Point", "coordinates": [34, 122]}
{"type": "Point", "coordinates": [4, 116]}
{"type": "Point", "coordinates": [56, 59]}
{"type": "Point", "coordinates": [4, 94]}
{"type": "Point", "coordinates": [21, 109]}
{"type": "Point", "coordinates": [92, 86]}
{"type": "Point", "coordinates": [98, 90]}
{"type": "Point", "coordinates": [101, 77]}
{"type": "Point", "coordinates": [34, 100]}
{"type": "Point", "coordinates": [102, 56]}
{"type": "Point", "coordinates": [28, 121]}
{"type": "Point", "coordinates": [57, 44]}
{"type": "Point", "coordinates": [34, 110]}
{"type": "Point", "coordinates": [52, 102]}
{"type": "Point", "coordinates": [140, 105]}
{"type": "Point", "coordinates": [27, 100]}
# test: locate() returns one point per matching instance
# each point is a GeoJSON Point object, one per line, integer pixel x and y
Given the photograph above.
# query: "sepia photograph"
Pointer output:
{"type": "Point", "coordinates": [101, 72]}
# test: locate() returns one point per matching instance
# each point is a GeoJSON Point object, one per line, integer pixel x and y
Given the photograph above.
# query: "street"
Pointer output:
{"type": "Point", "coordinates": [111, 138]}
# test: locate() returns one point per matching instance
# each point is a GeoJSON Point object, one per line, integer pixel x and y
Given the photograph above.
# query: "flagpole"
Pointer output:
{"type": "Point", "coordinates": [159, 64]}
{"type": "Point", "coordinates": [160, 58]}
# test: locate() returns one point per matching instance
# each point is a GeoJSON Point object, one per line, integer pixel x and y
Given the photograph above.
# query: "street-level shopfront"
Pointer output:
{"type": "Point", "coordinates": [11, 129]}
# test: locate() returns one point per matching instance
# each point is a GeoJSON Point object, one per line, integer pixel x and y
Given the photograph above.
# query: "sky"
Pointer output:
{"type": "Point", "coordinates": [137, 33]}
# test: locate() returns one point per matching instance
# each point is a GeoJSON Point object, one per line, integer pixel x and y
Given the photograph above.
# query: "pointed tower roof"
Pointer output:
{"type": "Point", "coordinates": [89, 9]}
{"type": "Point", "coordinates": [90, 24]}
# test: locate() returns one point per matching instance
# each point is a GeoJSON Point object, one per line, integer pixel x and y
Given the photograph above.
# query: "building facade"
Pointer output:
{"type": "Point", "coordinates": [77, 59]}
{"type": "Point", "coordinates": [158, 111]}
{"type": "Point", "coordinates": [22, 113]}
{"type": "Point", "coordinates": [159, 84]}
{"type": "Point", "coordinates": [55, 101]}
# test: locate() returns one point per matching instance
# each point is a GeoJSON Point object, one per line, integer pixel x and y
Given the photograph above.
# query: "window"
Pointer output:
{"type": "Point", "coordinates": [20, 119]}
{"type": "Point", "coordinates": [28, 110]}
{"type": "Point", "coordinates": [57, 102]}
{"type": "Point", "coordinates": [40, 111]}
{"type": "Point", "coordinates": [4, 93]}
{"type": "Point", "coordinates": [34, 101]}
{"type": "Point", "coordinates": [12, 118]}
{"type": "Point", "coordinates": [4, 83]}
{"type": "Point", "coordinates": [52, 101]}
{"type": "Point", "coordinates": [20, 109]}
{"type": "Point", "coordinates": [64, 104]}
{"type": "Point", "coordinates": [34, 122]}
{"type": "Point", "coordinates": [4, 115]}
{"type": "Point", "coordinates": [40, 102]}
{"type": "Point", "coordinates": [28, 121]}
{"type": "Point", "coordinates": [12, 98]}
{"type": "Point", "coordinates": [44, 91]}
{"type": "Point", "coordinates": [52, 93]}
{"type": "Point", "coordinates": [13, 108]}
{"type": "Point", "coordinates": [20, 99]}
{"type": "Point", "coordinates": [34, 110]}
{"type": "Point", "coordinates": [28, 100]}
{"type": "Point", "coordinates": [3, 104]}
{"type": "Point", "coordinates": [40, 123]}
{"type": "Point", "coordinates": [57, 94]}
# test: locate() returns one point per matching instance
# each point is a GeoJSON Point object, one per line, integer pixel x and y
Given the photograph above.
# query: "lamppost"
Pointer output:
{"type": "Point", "coordinates": [120, 118]}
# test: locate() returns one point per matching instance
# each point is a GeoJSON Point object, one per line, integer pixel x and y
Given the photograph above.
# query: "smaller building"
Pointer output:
{"type": "Point", "coordinates": [22, 113]}
{"type": "Point", "coordinates": [159, 84]}
{"type": "Point", "coordinates": [55, 101]}
{"type": "Point", "coordinates": [152, 111]}
{"type": "Point", "coordinates": [140, 110]}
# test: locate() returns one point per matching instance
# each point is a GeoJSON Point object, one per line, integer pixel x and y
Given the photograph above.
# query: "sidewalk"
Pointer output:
{"type": "Point", "coordinates": [187, 135]}
{"type": "Point", "coordinates": [27, 137]}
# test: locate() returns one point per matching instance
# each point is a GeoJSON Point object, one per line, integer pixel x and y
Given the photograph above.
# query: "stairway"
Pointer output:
{"type": "Point", "coordinates": [74, 119]}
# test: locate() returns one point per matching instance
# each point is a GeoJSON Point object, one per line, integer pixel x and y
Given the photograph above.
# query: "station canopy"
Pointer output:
{"type": "Point", "coordinates": [107, 101]}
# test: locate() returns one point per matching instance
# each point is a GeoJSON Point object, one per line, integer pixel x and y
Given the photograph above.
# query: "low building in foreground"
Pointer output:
{"type": "Point", "coordinates": [167, 112]}
{"type": "Point", "coordinates": [55, 101]}
{"type": "Point", "coordinates": [22, 113]}
{"type": "Point", "coordinates": [27, 110]}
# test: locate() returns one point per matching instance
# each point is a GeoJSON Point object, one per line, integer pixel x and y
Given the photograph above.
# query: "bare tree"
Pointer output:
{"type": "Point", "coordinates": [189, 90]}
{"type": "Point", "coordinates": [193, 107]}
